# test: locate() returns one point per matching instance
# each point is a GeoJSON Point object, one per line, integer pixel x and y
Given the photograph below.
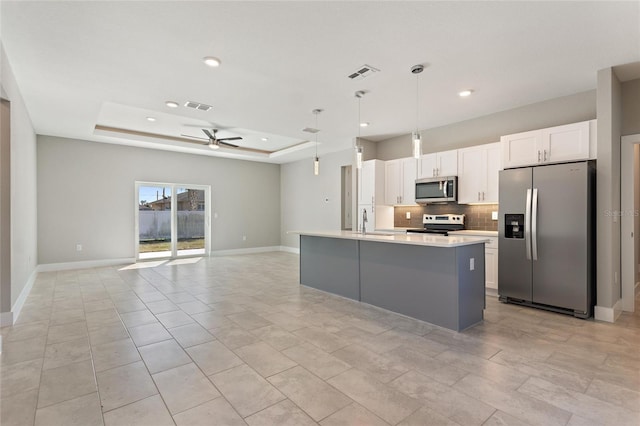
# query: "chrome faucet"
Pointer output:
{"type": "Point", "coordinates": [364, 221]}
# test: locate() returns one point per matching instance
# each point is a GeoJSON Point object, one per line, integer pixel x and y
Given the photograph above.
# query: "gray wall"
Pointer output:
{"type": "Point", "coordinates": [309, 202]}
{"type": "Point", "coordinates": [86, 196]}
{"type": "Point", "coordinates": [489, 128]}
{"type": "Point", "coordinates": [631, 107]}
{"type": "Point", "coordinates": [608, 187]}
{"type": "Point", "coordinates": [23, 184]}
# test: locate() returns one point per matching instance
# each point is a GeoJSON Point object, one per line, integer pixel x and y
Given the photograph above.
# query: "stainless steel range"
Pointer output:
{"type": "Point", "coordinates": [440, 224]}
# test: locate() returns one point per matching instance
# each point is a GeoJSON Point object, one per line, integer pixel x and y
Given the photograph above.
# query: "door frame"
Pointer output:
{"type": "Point", "coordinates": [629, 228]}
{"type": "Point", "coordinates": [174, 218]}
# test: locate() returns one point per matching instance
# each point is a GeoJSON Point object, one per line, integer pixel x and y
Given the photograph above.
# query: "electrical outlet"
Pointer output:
{"type": "Point", "coordinates": [408, 215]}
{"type": "Point", "coordinates": [78, 247]}
{"type": "Point", "coordinates": [472, 264]}
{"type": "Point", "coordinates": [494, 215]}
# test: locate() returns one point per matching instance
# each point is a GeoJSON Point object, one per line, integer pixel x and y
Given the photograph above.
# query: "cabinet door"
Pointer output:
{"type": "Point", "coordinates": [566, 143]}
{"type": "Point", "coordinates": [493, 166]}
{"type": "Point", "coordinates": [366, 183]}
{"type": "Point", "coordinates": [471, 175]}
{"type": "Point", "coordinates": [393, 182]}
{"type": "Point", "coordinates": [428, 165]}
{"type": "Point", "coordinates": [491, 268]}
{"type": "Point", "coordinates": [447, 163]}
{"type": "Point", "coordinates": [522, 149]}
{"type": "Point", "coordinates": [409, 176]}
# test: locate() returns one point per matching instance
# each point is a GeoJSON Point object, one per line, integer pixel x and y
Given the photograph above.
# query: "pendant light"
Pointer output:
{"type": "Point", "coordinates": [316, 160]}
{"type": "Point", "coordinates": [359, 148]}
{"type": "Point", "coordinates": [415, 136]}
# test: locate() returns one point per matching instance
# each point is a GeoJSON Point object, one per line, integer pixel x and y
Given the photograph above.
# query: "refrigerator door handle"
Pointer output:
{"type": "Point", "coordinates": [534, 224]}
{"type": "Point", "coordinates": [527, 224]}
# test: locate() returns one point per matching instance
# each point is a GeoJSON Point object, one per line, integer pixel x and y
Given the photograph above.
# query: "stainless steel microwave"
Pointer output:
{"type": "Point", "coordinates": [437, 190]}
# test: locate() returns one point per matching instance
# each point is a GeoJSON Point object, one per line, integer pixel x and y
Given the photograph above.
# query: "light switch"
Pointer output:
{"type": "Point", "coordinates": [408, 215]}
{"type": "Point", "coordinates": [494, 215]}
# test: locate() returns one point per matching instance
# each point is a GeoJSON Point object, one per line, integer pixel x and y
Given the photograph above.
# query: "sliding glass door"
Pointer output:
{"type": "Point", "coordinates": [172, 220]}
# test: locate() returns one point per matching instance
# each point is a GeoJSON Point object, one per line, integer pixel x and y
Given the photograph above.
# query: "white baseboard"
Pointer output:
{"type": "Point", "coordinates": [17, 307]}
{"type": "Point", "coordinates": [288, 249]}
{"type": "Point", "coordinates": [602, 313]}
{"type": "Point", "coordinates": [84, 264]}
{"type": "Point", "coordinates": [491, 291]}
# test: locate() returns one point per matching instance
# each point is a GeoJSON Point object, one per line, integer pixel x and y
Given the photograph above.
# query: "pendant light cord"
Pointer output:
{"type": "Point", "coordinates": [417, 101]}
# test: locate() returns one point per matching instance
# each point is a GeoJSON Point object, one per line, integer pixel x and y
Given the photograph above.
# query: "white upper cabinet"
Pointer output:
{"type": "Point", "coordinates": [478, 169]}
{"type": "Point", "coordinates": [570, 142]}
{"type": "Point", "coordinates": [393, 182]}
{"type": "Point", "coordinates": [409, 176]}
{"type": "Point", "coordinates": [443, 163]}
{"type": "Point", "coordinates": [371, 182]}
{"type": "Point", "coordinates": [400, 181]}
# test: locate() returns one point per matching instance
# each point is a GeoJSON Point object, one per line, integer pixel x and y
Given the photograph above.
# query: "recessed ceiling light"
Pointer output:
{"type": "Point", "coordinates": [365, 124]}
{"type": "Point", "coordinates": [171, 104]}
{"type": "Point", "coordinates": [151, 119]}
{"type": "Point", "coordinates": [211, 61]}
{"type": "Point", "coordinates": [465, 93]}
{"type": "Point", "coordinates": [264, 139]}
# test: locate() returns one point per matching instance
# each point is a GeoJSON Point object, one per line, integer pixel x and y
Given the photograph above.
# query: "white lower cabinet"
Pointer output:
{"type": "Point", "coordinates": [491, 266]}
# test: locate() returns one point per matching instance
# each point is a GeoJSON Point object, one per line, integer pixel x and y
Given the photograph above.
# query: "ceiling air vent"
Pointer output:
{"type": "Point", "coordinates": [197, 105]}
{"type": "Point", "coordinates": [362, 72]}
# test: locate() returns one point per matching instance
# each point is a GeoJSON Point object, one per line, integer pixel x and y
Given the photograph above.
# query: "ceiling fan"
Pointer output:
{"type": "Point", "coordinates": [214, 142]}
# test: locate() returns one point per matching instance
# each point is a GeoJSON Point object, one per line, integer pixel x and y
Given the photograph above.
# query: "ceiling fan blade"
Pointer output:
{"type": "Point", "coordinates": [193, 137]}
{"type": "Point", "coordinates": [235, 138]}
{"type": "Point", "coordinates": [208, 133]}
{"type": "Point", "coordinates": [227, 144]}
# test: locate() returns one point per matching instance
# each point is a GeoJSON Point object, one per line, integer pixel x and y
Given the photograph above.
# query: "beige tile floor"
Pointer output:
{"type": "Point", "coordinates": [236, 341]}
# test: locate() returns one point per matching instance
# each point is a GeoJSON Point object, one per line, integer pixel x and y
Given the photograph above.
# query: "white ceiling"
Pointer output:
{"type": "Point", "coordinates": [83, 63]}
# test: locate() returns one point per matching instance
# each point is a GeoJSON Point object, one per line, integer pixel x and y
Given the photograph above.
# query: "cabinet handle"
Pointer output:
{"type": "Point", "coordinates": [400, 198]}
{"type": "Point", "coordinates": [434, 173]}
{"type": "Point", "coordinates": [545, 155]}
{"type": "Point", "coordinates": [478, 195]}
{"type": "Point", "coordinates": [538, 156]}
{"type": "Point", "coordinates": [482, 195]}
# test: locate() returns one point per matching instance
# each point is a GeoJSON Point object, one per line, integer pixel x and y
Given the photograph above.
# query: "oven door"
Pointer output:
{"type": "Point", "coordinates": [436, 190]}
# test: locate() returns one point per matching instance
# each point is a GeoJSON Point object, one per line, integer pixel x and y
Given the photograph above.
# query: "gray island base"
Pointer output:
{"type": "Point", "coordinates": [441, 283]}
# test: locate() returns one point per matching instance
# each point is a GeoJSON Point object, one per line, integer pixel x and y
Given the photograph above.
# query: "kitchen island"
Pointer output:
{"type": "Point", "coordinates": [429, 277]}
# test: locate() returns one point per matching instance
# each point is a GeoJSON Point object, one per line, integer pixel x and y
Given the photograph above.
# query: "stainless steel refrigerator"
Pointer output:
{"type": "Point", "coordinates": [546, 230]}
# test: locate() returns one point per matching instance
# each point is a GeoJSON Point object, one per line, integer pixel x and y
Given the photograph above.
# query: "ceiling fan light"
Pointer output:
{"type": "Point", "coordinates": [211, 61]}
{"type": "Point", "coordinates": [214, 146]}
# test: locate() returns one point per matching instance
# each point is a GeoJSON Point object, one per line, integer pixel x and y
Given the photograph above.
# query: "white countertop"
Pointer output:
{"type": "Point", "coordinates": [411, 239]}
{"type": "Point", "coordinates": [470, 232]}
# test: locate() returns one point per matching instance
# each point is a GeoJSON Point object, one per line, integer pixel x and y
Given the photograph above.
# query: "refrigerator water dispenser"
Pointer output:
{"type": "Point", "coordinates": [514, 226]}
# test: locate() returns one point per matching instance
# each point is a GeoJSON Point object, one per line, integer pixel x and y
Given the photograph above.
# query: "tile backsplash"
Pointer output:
{"type": "Point", "coordinates": [477, 217]}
